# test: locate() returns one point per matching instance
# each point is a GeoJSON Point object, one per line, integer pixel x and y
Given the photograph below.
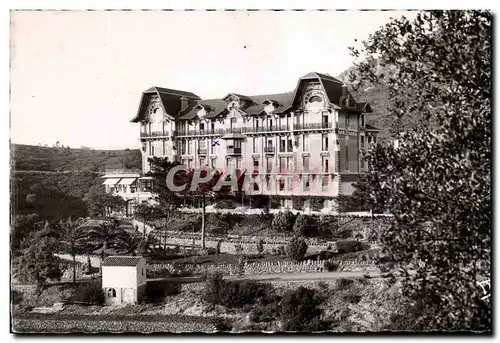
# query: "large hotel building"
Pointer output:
{"type": "Point", "coordinates": [317, 131]}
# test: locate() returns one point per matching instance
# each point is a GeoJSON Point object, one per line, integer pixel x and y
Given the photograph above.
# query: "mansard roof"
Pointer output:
{"type": "Point", "coordinates": [334, 89]}
{"type": "Point", "coordinates": [169, 99]}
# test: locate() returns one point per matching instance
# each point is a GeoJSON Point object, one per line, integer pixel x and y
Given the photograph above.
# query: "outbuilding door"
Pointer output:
{"type": "Point", "coordinates": [128, 296]}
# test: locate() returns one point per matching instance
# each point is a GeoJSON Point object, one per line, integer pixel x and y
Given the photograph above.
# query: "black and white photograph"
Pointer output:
{"type": "Point", "coordinates": [250, 171]}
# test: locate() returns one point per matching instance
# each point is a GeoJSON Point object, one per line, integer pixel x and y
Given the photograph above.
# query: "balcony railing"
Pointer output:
{"type": "Point", "coordinates": [277, 128]}
{"type": "Point", "coordinates": [202, 151]}
{"type": "Point", "coordinates": [269, 150]}
{"type": "Point", "coordinates": [155, 134]}
{"type": "Point", "coordinates": [312, 126]}
{"type": "Point", "coordinates": [233, 151]}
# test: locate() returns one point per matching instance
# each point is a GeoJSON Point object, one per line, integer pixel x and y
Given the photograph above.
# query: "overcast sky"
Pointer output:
{"type": "Point", "coordinates": [77, 77]}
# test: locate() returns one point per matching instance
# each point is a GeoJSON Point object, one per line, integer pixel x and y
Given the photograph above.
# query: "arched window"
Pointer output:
{"type": "Point", "coordinates": [315, 98]}
{"type": "Point", "coordinates": [111, 293]}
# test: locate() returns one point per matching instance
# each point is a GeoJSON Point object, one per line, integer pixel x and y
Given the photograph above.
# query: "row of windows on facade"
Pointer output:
{"type": "Point", "coordinates": [285, 145]}
{"type": "Point", "coordinates": [144, 186]}
{"type": "Point", "coordinates": [284, 120]}
{"type": "Point", "coordinates": [284, 163]}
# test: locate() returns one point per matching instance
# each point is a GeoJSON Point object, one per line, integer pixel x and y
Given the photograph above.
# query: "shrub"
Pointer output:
{"type": "Point", "coordinates": [260, 247]}
{"type": "Point", "coordinates": [299, 310]}
{"type": "Point", "coordinates": [157, 291]}
{"type": "Point", "coordinates": [89, 293]}
{"type": "Point", "coordinates": [344, 234]}
{"type": "Point", "coordinates": [266, 310]}
{"type": "Point", "coordinates": [296, 249]}
{"type": "Point", "coordinates": [225, 204]}
{"type": "Point", "coordinates": [283, 221]}
{"type": "Point", "coordinates": [326, 254]}
{"type": "Point", "coordinates": [304, 225]}
{"type": "Point", "coordinates": [16, 297]}
{"type": "Point", "coordinates": [352, 298]}
{"type": "Point", "coordinates": [350, 246]}
{"type": "Point", "coordinates": [344, 283]}
{"type": "Point", "coordinates": [331, 266]}
{"type": "Point", "coordinates": [233, 294]}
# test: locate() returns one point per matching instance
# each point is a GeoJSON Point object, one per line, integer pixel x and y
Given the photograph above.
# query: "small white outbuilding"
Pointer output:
{"type": "Point", "coordinates": [123, 279]}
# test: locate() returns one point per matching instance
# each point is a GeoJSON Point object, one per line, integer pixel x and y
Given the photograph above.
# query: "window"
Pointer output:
{"type": "Point", "coordinates": [189, 147]}
{"type": "Point", "coordinates": [151, 149]}
{"type": "Point", "coordinates": [374, 140]}
{"type": "Point", "coordinates": [282, 144]}
{"type": "Point", "coordinates": [213, 163]}
{"type": "Point", "coordinates": [306, 184]}
{"type": "Point", "coordinates": [324, 164]}
{"type": "Point", "coordinates": [305, 163]}
{"type": "Point", "coordinates": [232, 123]}
{"type": "Point", "coordinates": [238, 163]}
{"type": "Point", "coordinates": [369, 140]}
{"type": "Point", "coordinates": [325, 120]}
{"type": "Point", "coordinates": [237, 144]}
{"type": "Point", "coordinates": [347, 120]}
{"type": "Point", "coordinates": [254, 143]}
{"type": "Point", "coordinates": [362, 141]}
{"type": "Point", "coordinates": [202, 161]}
{"type": "Point", "coordinates": [164, 147]}
{"type": "Point", "coordinates": [288, 162]}
{"type": "Point", "coordinates": [111, 293]}
{"type": "Point", "coordinates": [290, 145]}
{"type": "Point", "coordinates": [202, 127]}
{"type": "Point", "coordinates": [212, 126]}
{"type": "Point", "coordinates": [269, 164]}
{"type": "Point", "coordinates": [325, 142]}
{"type": "Point", "coordinates": [326, 181]}
{"type": "Point", "coordinates": [270, 123]}
{"type": "Point", "coordinates": [183, 147]}
{"type": "Point", "coordinates": [362, 119]}
{"type": "Point", "coordinates": [256, 164]}
{"type": "Point", "coordinates": [305, 143]}
{"type": "Point", "coordinates": [281, 185]}
{"type": "Point", "coordinates": [282, 164]}
{"type": "Point", "coordinates": [257, 123]}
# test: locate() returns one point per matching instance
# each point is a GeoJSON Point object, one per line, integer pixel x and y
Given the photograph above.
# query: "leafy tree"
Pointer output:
{"type": "Point", "coordinates": [304, 225]}
{"type": "Point", "coordinates": [437, 183]}
{"type": "Point", "coordinates": [72, 236]}
{"type": "Point", "coordinates": [38, 263]}
{"type": "Point", "coordinates": [101, 203]}
{"type": "Point", "coordinates": [296, 249]}
{"type": "Point", "coordinates": [283, 221]}
{"type": "Point", "coordinates": [130, 244]}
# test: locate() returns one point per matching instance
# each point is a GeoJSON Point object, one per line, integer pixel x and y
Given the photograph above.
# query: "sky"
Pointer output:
{"type": "Point", "coordinates": [77, 76]}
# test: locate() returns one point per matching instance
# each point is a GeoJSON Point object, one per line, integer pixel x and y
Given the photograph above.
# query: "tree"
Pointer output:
{"type": "Point", "coordinates": [296, 249]}
{"type": "Point", "coordinates": [437, 183]}
{"type": "Point", "coordinates": [38, 263]}
{"type": "Point", "coordinates": [299, 310]}
{"type": "Point", "coordinates": [283, 221]}
{"type": "Point", "coordinates": [167, 201]}
{"type": "Point", "coordinates": [72, 236]}
{"type": "Point", "coordinates": [106, 235]}
{"type": "Point", "coordinates": [304, 225]}
{"type": "Point", "coordinates": [101, 203]}
{"type": "Point", "coordinates": [130, 244]}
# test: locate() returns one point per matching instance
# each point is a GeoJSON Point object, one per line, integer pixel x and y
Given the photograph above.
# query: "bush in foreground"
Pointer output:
{"type": "Point", "coordinates": [299, 310]}
{"type": "Point", "coordinates": [283, 221]}
{"type": "Point", "coordinates": [89, 293]}
{"type": "Point", "coordinates": [296, 249]}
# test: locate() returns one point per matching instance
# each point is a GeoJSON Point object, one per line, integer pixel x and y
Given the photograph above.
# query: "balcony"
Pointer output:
{"type": "Point", "coordinates": [269, 150]}
{"type": "Point", "coordinates": [267, 129]}
{"type": "Point", "coordinates": [202, 151]}
{"type": "Point", "coordinates": [312, 126]}
{"type": "Point", "coordinates": [233, 151]}
{"type": "Point", "coordinates": [155, 134]}
{"type": "Point", "coordinates": [204, 132]}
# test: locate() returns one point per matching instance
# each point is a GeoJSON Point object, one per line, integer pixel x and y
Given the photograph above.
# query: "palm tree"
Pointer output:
{"type": "Point", "coordinates": [72, 236]}
{"type": "Point", "coordinates": [129, 244]}
{"type": "Point", "coordinates": [107, 235]}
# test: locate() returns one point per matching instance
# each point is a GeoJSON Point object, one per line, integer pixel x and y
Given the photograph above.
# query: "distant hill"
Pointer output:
{"type": "Point", "coordinates": [52, 181]}
{"type": "Point", "coordinates": [38, 158]}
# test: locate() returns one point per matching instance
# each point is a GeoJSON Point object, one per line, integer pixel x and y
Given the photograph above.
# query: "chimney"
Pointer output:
{"type": "Point", "coordinates": [184, 103]}
{"type": "Point", "coordinates": [345, 96]}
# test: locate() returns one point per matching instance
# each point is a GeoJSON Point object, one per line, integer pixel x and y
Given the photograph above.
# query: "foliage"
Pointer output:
{"type": "Point", "coordinates": [296, 249]}
{"type": "Point", "coordinates": [16, 297]}
{"type": "Point", "coordinates": [305, 225]}
{"type": "Point", "coordinates": [157, 291]}
{"type": "Point", "coordinates": [101, 203]}
{"type": "Point", "coordinates": [89, 293]}
{"type": "Point", "coordinates": [344, 283]}
{"type": "Point", "coordinates": [225, 204]}
{"type": "Point", "coordinates": [350, 246]}
{"type": "Point", "coordinates": [72, 236]}
{"type": "Point", "coordinates": [260, 247]}
{"type": "Point", "coordinates": [38, 263]}
{"type": "Point", "coordinates": [331, 266]}
{"type": "Point", "coordinates": [234, 294]}
{"type": "Point", "coordinates": [283, 221]}
{"type": "Point", "coordinates": [299, 310]}
{"type": "Point", "coordinates": [106, 236]}
{"type": "Point", "coordinates": [437, 182]}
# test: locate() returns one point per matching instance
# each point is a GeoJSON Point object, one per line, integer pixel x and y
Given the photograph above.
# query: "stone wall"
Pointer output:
{"type": "Point", "coordinates": [277, 267]}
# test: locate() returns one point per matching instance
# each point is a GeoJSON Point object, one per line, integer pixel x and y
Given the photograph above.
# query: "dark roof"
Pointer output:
{"type": "Point", "coordinates": [371, 127]}
{"type": "Point", "coordinates": [122, 261]}
{"type": "Point", "coordinates": [156, 89]}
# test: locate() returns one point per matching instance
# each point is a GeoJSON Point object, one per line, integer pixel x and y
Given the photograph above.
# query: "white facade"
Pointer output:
{"type": "Point", "coordinates": [123, 284]}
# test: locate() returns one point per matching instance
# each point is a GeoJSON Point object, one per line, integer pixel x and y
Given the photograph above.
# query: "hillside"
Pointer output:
{"type": "Point", "coordinates": [52, 181]}
{"type": "Point", "coordinates": [39, 158]}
